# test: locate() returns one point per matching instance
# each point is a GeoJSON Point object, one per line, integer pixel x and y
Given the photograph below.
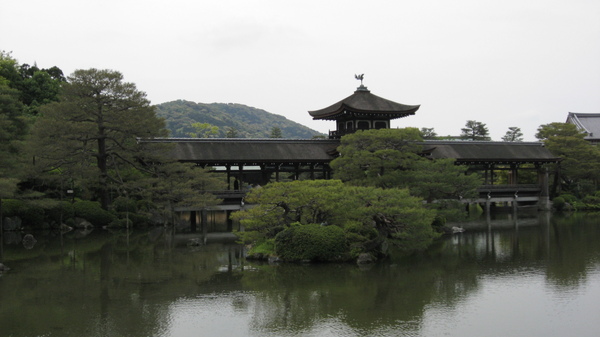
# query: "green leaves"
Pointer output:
{"type": "Point", "coordinates": [393, 213]}
{"type": "Point", "coordinates": [475, 130]}
{"type": "Point", "coordinates": [580, 159]}
{"type": "Point", "coordinates": [91, 134]}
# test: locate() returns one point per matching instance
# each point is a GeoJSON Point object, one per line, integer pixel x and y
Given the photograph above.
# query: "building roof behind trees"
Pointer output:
{"type": "Point", "coordinates": [588, 123]}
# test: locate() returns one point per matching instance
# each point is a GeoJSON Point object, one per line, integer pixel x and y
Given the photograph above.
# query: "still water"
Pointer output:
{"type": "Point", "coordinates": [532, 276]}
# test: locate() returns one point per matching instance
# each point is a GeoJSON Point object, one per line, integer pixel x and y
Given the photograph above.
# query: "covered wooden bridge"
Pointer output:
{"type": "Point", "coordinates": [512, 172]}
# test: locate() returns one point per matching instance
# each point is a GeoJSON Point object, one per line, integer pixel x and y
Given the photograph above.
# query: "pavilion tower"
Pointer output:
{"type": "Point", "coordinates": [362, 111]}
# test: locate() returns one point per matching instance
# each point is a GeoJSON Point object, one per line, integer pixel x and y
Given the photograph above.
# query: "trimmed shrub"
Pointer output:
{"type": "Point", "coordinates": [311, 242]}
{"type": "Point", "coordinates": [559, 203]}
{"type": "Point", "coordinates": [591, 199]}
{"type": "Point", "coordinates": [355, 228]}
{"type": "Point", "coordinates": [31, 215]}
{"type": "Point", "coordinates": [122, 204]}
{"type": "Point", "coordinates": [570, 198]}
{"type": "Point", "coordinates": [135, 219]}
{"type": "Point", "coordinates": [262, 250]}
{"type": "Point", "coordinates": [12, 207]}
{"type": "Point", "coordinates": [64, 207]}
{"type": "Point", "coordinates": [92, 212]}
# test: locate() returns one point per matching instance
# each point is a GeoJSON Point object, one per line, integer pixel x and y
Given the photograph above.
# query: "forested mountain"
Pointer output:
{"type": "Point", "coordinates": [233, 120]}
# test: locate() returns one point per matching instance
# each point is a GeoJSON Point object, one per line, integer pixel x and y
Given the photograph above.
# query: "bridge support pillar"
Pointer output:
{"type": "Point", "coordinates": [204, 223]}
{"type": "Point", "coordinates": [544, 203]}
{"type": "Point", "coordinates": [193, 222]}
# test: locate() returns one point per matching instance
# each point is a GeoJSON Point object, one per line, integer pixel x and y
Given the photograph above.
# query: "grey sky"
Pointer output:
{"type": "Point", "coordinates": [504, 63]}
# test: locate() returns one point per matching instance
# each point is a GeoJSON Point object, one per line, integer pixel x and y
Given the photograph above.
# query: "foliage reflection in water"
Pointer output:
{"type": "Point", "coordinates": [504, 276]}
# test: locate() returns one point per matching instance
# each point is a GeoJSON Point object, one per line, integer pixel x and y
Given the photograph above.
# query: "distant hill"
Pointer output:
{"type": "Point", "coordinates": [247, 122]}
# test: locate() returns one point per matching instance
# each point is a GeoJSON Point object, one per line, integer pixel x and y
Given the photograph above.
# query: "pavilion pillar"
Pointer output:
{"type": "Point", "coordinates": [193, 222]}
{"type": "Point", "coordinates": [485, 179]}
{"type": "Point", "coordinates": [229, 221]}
{"type": "Point", "coordinates": [514, 174]}
{"type": "Point", "coordinates": [204, 223]}
{"type": "Point", "coordinates": [544, 198]}
{"type": "Point", "coordinates": [228, 169]}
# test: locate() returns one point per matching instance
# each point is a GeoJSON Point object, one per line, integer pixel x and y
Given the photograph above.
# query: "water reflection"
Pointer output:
{"type": "Point", "coordinates": [507, 275]}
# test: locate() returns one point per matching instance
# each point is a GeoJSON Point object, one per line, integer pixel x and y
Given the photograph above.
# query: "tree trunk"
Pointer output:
{"type": "Point", "coordinates": [102, 166]}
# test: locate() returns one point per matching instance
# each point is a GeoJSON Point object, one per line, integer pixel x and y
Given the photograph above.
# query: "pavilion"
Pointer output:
{"type": "Point", "coordinates": [362, 111]}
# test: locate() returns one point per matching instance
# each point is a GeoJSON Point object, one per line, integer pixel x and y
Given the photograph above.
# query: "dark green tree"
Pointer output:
{"type": "Point", "coordinates": [428, 133]}
{"type": "Point", "coordinates": [475, 130]}
{"type": "Point", "coordinates": [172, 185]}
{"type": "Point", "coordinates": [580, 165]}
{"type": "Point", "coordinates": [390, 158]}
{"type": "Point", "coordinates": [13, 127]}
{"type": "Point", "coordinates": [92, 132]}
{"type": "Point", "coordinates": [35, 86]}
{"type": "Point", "coordinates": [381, 158]}
{"type": "Point", "coordinates": [276, 133]}
{"type": "Point", "coordinates": [204, 130]}
{"type": "Point", "coordinates": [232, 133]}
{"type": "Point", "coordinates": [513, 134]}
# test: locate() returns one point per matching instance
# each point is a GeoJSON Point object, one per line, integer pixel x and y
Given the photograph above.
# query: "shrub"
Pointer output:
{"type": "Point", "coordinates": [358, 228]}
{"type": "Point", "coordinates": [30, 214]}
{"type": "Point", "coordinates": [558, 203]}
{"type": "Point", "coordinates": [53, 214]}
{"type": "Point", "coordinates": [311, 242]}
{"type": "Point", "coordinates": [591, 199]}
{"type": "Point", "coordinates": [439, 223]}
{"type": "Point", "coordinates": [570, 198]}
{"type": "Point", "coordinates": [12, 207]}
{"type": "Point", "coordinates": [262, 250]}
{"type": "Point", "coordinates": [92, 212]}
{"type": "Point", "coordinates": [122, 204]}
{"type": "Point", "coordinates": [135, 219]}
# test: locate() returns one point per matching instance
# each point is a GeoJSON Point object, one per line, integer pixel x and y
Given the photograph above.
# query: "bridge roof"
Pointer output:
{"type": "Point", "coordinates": [470, 152]}
{"type": "Point", "coordinates": [234, 151]}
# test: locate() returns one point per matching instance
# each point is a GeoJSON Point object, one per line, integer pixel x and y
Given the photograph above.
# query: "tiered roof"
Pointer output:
{"type": "Point", "coordinates": [362, 101]}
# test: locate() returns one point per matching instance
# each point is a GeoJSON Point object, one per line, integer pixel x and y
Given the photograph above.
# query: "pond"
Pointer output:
{"type": "Point", "coordinates": [503, 276]}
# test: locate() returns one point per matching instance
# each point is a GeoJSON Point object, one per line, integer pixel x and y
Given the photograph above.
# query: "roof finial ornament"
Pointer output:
{"type": "Point", "coordinates": [360, 77]}
{"type": "Point", "coordinates": [362, 87]}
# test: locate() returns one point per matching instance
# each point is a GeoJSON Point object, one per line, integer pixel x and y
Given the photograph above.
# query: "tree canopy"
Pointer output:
{"type": "Point", "coordinates": [95, 127]}
{"type": "Point", "coordinates": [391, 158]}
{"type": "Point", "coordinates": [475, 130]}
{"type": "Point", "coordinates": [373, 215]}
{"type": "Point", "coordinates": [513, 134]}
{"type": "Point", "coordinates": [35, 86]}
{"type": "Point", "coordinates": [580, 159]}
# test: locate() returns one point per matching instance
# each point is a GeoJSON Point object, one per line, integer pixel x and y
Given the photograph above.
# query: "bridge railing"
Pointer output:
{"type": "Point", "coordinates": [515, 187]}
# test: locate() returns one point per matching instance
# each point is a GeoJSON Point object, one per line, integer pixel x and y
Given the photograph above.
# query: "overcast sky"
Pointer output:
{"type": "Point", "coordinates": [504, 63]}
